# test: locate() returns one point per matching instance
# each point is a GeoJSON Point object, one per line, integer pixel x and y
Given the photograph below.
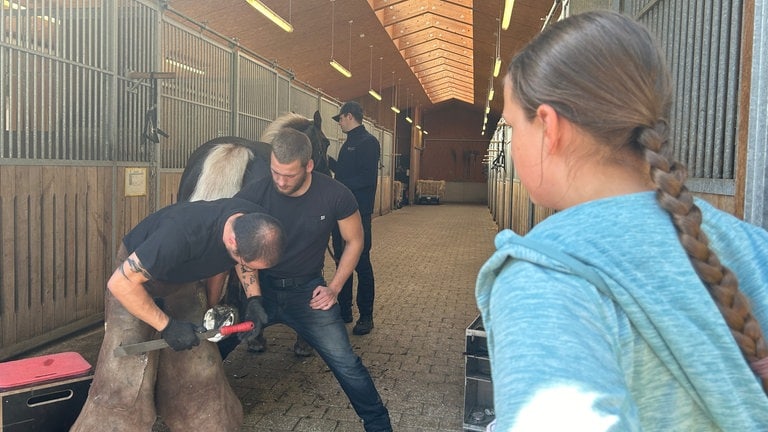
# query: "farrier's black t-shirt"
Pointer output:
{"type": "Point", "coordinates": [183, 242]}
{"type": "Point", "coordinates": [307, 221]}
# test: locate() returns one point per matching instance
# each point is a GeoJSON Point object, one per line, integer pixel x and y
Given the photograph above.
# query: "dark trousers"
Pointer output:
{"type": "Point", "coordinates": [327, 334]}
{"type": "Point", "coordinates": [365, 283]}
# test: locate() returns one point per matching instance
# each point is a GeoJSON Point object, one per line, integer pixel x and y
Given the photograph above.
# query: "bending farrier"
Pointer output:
{"type": "Point", "coordinates": [178, 256]}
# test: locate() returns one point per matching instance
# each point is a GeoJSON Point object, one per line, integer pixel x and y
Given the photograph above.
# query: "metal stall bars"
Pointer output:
{"type": "Point", "coordinates": [702, 45]}
{"type": "Point", "coordinates": [63, 147]}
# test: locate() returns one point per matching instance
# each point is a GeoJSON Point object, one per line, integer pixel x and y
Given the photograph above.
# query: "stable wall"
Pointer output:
{"type": "Point", "coordinates": [454, 150]}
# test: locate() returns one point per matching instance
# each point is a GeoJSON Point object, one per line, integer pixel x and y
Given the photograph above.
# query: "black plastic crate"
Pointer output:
{"type": "Point", "coordinates": [478, 385]}
{"type": "Point", "coordinates": [51, 407]}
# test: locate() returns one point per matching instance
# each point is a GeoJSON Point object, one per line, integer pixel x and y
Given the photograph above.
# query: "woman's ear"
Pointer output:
{"type": "Point", "coordinates": [554, 128]}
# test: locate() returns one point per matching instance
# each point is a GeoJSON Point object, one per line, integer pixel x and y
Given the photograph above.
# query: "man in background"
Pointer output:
{"type": "Point", "coordinates": [357, 168]}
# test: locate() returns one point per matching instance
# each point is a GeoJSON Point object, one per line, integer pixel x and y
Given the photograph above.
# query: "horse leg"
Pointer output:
{"type": "Point", "coordinates": [121, 397]}
{"type": "Point", "coordinates": [192, 388]}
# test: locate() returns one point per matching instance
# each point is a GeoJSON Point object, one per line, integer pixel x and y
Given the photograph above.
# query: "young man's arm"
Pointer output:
{"type": "Point", "coordinates": [351, 229]}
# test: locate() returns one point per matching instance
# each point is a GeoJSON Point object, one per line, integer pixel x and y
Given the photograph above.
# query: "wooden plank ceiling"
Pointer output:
{"type": "Point", "coordinates": [420, 52]}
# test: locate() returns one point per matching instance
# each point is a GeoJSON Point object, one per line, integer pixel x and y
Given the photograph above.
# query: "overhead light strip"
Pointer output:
{"type": "Point", "coordinates": [271, 15]}
{"type": "Point", "coordinates": [342, 70]}
{"type": "Point", "coordinates": [335, 64]}
{"type": "Point", "coordinates": [507, 16]}
{"type": "Point", "coordinates": [395, 95]}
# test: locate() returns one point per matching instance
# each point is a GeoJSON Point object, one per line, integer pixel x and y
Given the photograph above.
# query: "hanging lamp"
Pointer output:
{"type": "Point", "coordinates": [395, 94]}
{"type": "Point", "coordinates": [335, 64]}
{"type": "Point", "coordinates": [507, 15]}
{"type": "Point", "coordinates": [271, 15]}
{"type": "Point", "coordinates": [371, 91]}
{"type": "Point", "coordinates": [408, 106]}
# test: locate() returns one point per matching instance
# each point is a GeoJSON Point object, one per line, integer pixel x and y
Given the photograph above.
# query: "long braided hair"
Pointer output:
{"type": "Point", "coordinates": [603, 71]}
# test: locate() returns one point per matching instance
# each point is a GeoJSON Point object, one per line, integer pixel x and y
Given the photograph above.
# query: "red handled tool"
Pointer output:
{"type": "Point", "coordinates": [157, 344]}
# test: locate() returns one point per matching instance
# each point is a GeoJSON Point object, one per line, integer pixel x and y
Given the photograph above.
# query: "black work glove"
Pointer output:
{"type": "Point", "coordinates": [254, 311]}
{"type": "Point", "coordinates": [181, 335]}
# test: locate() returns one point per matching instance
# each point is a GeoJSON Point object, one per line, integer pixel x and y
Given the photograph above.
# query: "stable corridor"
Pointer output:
{"type": "Point", "coordinates": [425, 260]}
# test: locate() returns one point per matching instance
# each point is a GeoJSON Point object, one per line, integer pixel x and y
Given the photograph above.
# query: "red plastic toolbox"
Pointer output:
{"type": "Point", "coordinates": [43, 393]}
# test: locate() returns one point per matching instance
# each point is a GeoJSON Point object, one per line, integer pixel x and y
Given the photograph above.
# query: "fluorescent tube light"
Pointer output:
{"type": "Point", "coordinates": [342, 70]}
{"type": "Point", "coordinates": [269, 13]}
{"type": "Point", "coordinates": [375, 94]}
{"type": "Point", "coordinates": [508, 5]}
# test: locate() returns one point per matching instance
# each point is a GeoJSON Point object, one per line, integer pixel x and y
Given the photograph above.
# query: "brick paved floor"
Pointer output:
{"type": "Point", "coordinates": [425, 261]}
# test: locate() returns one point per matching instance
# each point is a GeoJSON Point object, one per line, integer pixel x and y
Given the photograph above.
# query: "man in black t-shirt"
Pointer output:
{"type": "Point", "coordinates": [181, 253]}
{"type": "Point", "coordinates": [294, 291]}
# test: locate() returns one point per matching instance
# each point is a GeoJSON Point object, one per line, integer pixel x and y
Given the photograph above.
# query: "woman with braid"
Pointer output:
{"type": "Point", "coordinates": [635, 306]}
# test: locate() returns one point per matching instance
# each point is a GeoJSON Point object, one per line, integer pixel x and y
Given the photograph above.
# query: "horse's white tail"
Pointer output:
{"type": "Point", "coordinates": [222, 173]}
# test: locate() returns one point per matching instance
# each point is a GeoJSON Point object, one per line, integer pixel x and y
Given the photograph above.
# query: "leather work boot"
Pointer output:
{"type": "Point", "coordinates": [363, 326]}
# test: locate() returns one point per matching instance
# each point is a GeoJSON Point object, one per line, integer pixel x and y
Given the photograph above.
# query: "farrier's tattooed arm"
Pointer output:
{"type": "Point", "coordinates": [135, 266]}
{"type": "Point", "coordinates": [127, 285]}
{"type": "Point", "coordinates": [249, 279]}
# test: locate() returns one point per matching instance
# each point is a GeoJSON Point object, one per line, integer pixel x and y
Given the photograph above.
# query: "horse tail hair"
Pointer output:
{"type": "Point", "coordinates": [222, 173]}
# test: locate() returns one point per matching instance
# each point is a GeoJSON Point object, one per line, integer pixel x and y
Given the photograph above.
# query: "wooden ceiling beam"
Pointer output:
{"type": "Point", "coordinates": [429, 34]}
{"type": "Point", "coordinates": [441, 61]}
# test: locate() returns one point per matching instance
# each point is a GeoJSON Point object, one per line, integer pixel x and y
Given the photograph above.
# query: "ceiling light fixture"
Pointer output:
{"type": "Point", "coordinates": [336, 65]}
{"type": "Point", "coordinates": [395, 94]}
{"type": "Point", "coordinates": [408, 106]}
{"type": "Point", "coordinates": [507, 16]}
{"type": "Point", "coordinates": [269, 13]}
{"type": "Point", "coordinates": [371, 91]}
{"type": "Point", "coordinates": [497, 60]}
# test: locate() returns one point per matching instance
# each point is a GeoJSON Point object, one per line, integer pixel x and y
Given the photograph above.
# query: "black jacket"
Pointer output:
{"type": "Point", "coordinates": [358, 167]}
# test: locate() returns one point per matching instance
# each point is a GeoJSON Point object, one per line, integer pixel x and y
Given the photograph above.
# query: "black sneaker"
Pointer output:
{"type": "Point", "coordinates": [363, 326]}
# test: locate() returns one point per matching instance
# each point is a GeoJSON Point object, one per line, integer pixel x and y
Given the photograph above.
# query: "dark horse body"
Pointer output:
{"type": "Point", "coordinates": [219, 167]}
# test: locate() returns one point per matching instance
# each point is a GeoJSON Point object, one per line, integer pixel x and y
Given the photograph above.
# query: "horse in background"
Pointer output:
{"type": "Point", "coordinates": [221, 166]}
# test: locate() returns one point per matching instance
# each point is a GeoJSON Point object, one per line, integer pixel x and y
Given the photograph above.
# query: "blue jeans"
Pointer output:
{"type": "Point", "coordinates": [326, 333]}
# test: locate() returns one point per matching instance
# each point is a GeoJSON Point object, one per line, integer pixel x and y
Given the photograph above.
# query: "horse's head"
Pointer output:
{"type": "Point", "coordinates": [311, 128]}
{"type": "Point", "coordinates": [320, 144]}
